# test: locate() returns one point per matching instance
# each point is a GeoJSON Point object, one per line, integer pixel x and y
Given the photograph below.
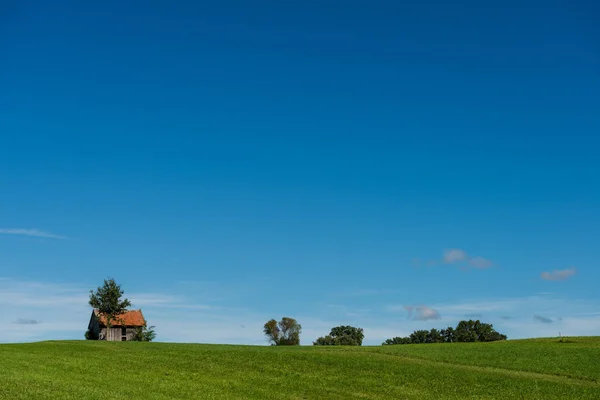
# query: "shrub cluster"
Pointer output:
{"type": "Point", "coordinates": [342, 336]}
{"type": "Point", "coordinates": [144, 334]}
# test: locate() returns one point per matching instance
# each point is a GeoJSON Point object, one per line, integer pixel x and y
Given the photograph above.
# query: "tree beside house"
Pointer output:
{"type": "Point", "coordinates": [111, 320]}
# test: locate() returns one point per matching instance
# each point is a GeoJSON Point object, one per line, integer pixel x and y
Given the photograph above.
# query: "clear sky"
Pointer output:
{"type": "Point", "coordinates": [336, 162]}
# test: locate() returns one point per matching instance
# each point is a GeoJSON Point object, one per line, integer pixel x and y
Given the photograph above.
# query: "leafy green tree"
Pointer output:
{"type": "Point", "coordinates": [435, 336]}
{"type": "Point", "coordinates": [351, 333]}
{"type": "Point", "coordinates": [487, 333]}
{"type": "Point", "coordinates": [107, 299]}
{"type": "Point", "coordinates": [466, 331]}
{"type": "Point", "coordinates": [419, 336]}
{"type": "Point", "coordinates": [342, 336]}
{"type": "Point", "coordinates": [144, 334]}
{"type": "Point", "coordinates": [477, 331]}
{"type": "Point", "coordinates": [283, 333]}
{"type": "Point", "coordinates": [448, 334]}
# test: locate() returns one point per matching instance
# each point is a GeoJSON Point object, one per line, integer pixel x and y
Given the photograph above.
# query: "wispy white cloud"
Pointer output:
{"type": "Point", "coordinates": [480, 306]}
{"type": "Point", "coordinates": [417, 313]}
{"type": "Point", "coordinates": [464, 260]}
{"type": "Point", "coordinates": [30, 232]}
{"type": "Point", "coordinates": [16, 294]}
{"type": "Point", "coordinates": [559, 274]}
{"type": "Point", "coordinates": [345, 311]}
{"type": "Point", "coordinates": [159, 300]}
{"type": "Point", "coordinates": [480, 262]}
{"type": "Point", "coordinates": [63, 308]}
{"type": "Point", "coordinates": [424, 313]}
{"type": "Point", "coordinates": [517, 307]}
{"type": "Point", "coordinates": [453, 256]}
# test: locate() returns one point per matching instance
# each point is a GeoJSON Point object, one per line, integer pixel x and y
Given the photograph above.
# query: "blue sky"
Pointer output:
{"type": "Point", "coordinates": [336, 163]}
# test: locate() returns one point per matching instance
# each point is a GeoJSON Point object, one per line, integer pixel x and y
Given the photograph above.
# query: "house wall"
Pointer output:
{"type": "Point", "coordinates": [94, 326]}
{"type": "Point", "coordinates": [115, 334]}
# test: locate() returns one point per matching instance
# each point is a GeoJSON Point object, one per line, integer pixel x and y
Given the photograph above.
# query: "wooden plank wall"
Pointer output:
{"type": "Point", "coordinates": [114, 334]}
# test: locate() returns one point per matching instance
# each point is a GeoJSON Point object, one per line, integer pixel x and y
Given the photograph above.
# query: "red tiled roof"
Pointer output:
{"type": "Point", "coordinates": [129, 318]}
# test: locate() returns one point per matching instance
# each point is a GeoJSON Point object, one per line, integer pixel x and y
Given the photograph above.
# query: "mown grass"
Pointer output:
{"type": "Point", "coordinates": [524, 369]}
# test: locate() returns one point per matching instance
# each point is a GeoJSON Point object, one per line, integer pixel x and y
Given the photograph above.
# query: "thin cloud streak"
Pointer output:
{"type": "Point", "coordinates": [367, 292]}
{"type": "Point", "coordinates": [559, 274]}
{"type": "Point", "coordinates": [541, 319]}
{"type": "Point", "coordinates": [22, 321]}
{"type": "Point", "coordinates": [30, 232]}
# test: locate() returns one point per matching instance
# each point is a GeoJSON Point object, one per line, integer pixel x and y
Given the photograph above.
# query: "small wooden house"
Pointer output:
{"type": "Point", "coordinates": [122, 328]}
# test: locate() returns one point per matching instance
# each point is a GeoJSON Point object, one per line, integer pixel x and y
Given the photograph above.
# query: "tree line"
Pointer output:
{"type": "Point", "coordinates": [287, 333]}
{"type": "Point", "coordinates": [465, 331]}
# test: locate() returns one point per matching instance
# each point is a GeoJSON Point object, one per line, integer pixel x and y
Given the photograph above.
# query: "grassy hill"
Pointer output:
{"type": "Point", "coordinates": [520, 369]}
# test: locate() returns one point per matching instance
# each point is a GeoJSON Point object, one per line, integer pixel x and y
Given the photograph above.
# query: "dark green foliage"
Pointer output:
{"type": "Point", "coordinates": [90, 335]}
{"type": "Point", "coordinates": [476, 331]}
{"type": "Point", "coordinates": [107, 300]}
{"type": "Point", "coordinates": [326, 341]}
{"type": "Point", "coordinates": [329, 340]}
{"type": "Point", "coordinates": [283, 333]}
{"type": "Point", "coordinates": [494, 337]}
{"type": "Point", "coordinates": [448, 334]}
{"type": "Point", "coordinates": [419, 336]}
{"type": "Point", "coordinates": [435, 336]}
{"type": "Point", "coordinates": [465, 331]}
{"type": "Point", "coordinates": [342, 336]}
{"type": "Point", "coordinates": [144, 334]}
{"type": "Point", "coordinates": [398, 340]}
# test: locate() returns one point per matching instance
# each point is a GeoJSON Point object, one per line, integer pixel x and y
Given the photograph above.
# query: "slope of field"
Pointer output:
{"type": "Point", "coordinates": [524, 369]}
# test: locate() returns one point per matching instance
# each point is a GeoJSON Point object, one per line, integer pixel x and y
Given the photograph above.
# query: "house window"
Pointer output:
{"type": "Point", "coordinates": [123, 334]}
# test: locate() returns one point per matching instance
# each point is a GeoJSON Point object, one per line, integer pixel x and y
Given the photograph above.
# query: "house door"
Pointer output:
{"type": "Point", "coordinates": [123, 334]}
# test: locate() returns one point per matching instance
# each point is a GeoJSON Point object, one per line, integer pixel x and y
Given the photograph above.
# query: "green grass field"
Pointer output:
{"type": "Point", "coordinates": [519, 369]}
